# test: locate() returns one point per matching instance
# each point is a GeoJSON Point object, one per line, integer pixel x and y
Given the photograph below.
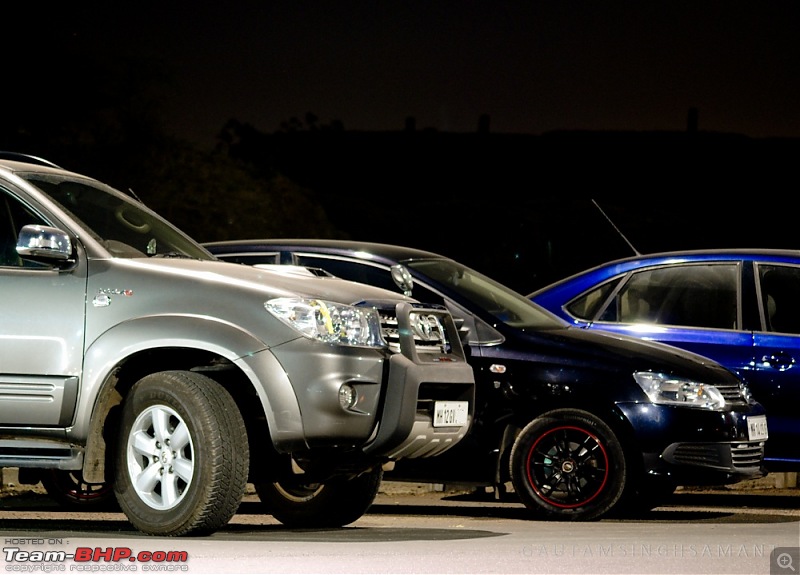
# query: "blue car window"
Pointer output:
{"type": "Point", "coordinates": [780, 286]}
{"type": "Point", "coordinates": [587, 306]}
{"type": "Point", "coordinates": [692, 295]}
{"type": "Point", "coordinates": [633, 303]}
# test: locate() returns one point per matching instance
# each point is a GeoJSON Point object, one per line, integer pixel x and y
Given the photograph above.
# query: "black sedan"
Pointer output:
{"type": "Point", "coordinates": [578, 423]}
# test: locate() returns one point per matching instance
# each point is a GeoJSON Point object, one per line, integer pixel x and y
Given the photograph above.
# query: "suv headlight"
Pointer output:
{"type": "Point", "coordinates": [329, 322]}
{"type": "Point", "coordinates": [665, 389]}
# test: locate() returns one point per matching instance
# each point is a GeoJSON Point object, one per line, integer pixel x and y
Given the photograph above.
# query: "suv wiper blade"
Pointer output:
{"type": "Point", "coordinates": [173, 255]}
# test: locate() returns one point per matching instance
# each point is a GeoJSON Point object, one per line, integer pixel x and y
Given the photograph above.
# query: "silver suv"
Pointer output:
{"type": "Point", "coordinates": [135, 365]}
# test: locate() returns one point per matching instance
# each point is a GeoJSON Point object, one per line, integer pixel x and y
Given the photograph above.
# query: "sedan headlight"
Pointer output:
{"type": "Point", "coordinates": [329, 322]}
{"type": "Point", "coordinates": [665, 389]}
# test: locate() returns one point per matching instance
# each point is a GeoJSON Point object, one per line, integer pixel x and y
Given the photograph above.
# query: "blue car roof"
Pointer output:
{"type": "Point", "coordinates": [613, 268]}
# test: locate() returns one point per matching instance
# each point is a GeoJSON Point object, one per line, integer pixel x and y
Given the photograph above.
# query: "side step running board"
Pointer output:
{"type": "Point", "coordinates": [40, 454]}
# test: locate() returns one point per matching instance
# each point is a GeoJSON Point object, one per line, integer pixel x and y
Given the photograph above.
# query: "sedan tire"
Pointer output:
{"type": "Point", "coordinates": [568, 465]}
{"type": "Point", "coordinates": [70, 490]}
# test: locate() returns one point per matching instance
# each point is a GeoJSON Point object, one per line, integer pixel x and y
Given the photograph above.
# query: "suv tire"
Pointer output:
{"type": "Point", "coordinates": [183, 455]}
{"type": "Point", "coordinates": [334, 503]}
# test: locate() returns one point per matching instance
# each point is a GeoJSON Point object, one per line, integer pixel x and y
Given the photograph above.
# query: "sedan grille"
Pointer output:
{"type": "Point", "coordinates": [739, 456]}
{"type": "Point", "coordinates": [747, 455]}
{"type": "Point", "coordinates": [734, 394]}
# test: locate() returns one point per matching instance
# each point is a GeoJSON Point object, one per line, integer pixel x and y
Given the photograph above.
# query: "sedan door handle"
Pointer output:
{"type": "Point", "coordinates": [780, 361]}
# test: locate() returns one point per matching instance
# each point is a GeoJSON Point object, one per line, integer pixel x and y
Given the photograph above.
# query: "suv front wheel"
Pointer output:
{"type": "Point", "coordinates": [182, 457]}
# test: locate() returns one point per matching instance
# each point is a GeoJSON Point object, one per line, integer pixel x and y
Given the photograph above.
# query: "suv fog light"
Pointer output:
{"type": "Point", "coordinates": [347, 396]}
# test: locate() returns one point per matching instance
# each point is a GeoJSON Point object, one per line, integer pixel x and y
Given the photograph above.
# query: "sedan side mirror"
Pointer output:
{"type": "Point", "coordinates": [402, 278]}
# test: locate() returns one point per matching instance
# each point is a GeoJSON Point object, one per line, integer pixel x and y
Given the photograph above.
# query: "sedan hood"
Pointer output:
{"type": "Point", "coordinates": [617, 352]}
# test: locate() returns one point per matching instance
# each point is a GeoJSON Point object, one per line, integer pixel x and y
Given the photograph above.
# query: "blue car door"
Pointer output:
{"type": "Point", "coordinates": [775, 382]}
{"type": "Point", "coordinates": [775, 377]}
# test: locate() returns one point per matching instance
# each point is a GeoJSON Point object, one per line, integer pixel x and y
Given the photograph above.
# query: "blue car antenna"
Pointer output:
{"type": "Point", "coordinates": [635, 251]}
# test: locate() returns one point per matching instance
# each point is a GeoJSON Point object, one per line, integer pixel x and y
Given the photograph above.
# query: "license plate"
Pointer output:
{"type": "Point", "coordinates": [757, 428]}
{"type": "Point", "coordinates": [450, 413]}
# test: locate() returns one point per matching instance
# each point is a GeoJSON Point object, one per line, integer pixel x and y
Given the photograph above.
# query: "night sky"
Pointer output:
{"type": "Point", "coordinates": [531, 66]}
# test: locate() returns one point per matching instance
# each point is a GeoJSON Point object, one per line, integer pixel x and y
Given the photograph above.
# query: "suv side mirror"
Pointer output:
{"type": "Point", "coordinates": [44, 244]}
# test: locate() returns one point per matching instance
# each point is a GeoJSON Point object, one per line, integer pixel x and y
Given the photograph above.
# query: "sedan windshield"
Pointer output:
{"type": "Point", "coordinates": [494, 298]}
{"type": "Point", "coordinates": [125, 226]}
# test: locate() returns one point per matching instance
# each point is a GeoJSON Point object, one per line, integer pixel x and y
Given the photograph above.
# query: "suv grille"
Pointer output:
{"type": "Point", "coordinates": [428, 329]}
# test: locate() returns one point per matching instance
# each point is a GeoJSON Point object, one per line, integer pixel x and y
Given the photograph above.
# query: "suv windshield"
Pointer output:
{"type": "Point", "coordinates": [496, 299]}
{"type": "Point", "coordinates": [126, 227]}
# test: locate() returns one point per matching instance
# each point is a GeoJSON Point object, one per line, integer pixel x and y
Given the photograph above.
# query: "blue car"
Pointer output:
{"type": "Point", "coordinates": [739, 307]}
{"type": "Point", "coordinates": [576, 423]}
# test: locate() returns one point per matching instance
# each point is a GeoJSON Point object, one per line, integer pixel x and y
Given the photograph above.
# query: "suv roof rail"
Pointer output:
{"type": "Point", "coordinates": [19, 157]}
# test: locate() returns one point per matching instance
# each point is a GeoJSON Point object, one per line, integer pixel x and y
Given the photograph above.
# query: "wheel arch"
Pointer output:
{"type": "Point", "coordinates": [579, 472]}
{"type": "Point", "coordinates": [234, 374]}
{"type": "Point", "coordinates": [184, 433]}
{"type": "Point", "coordinates": [526, 412]}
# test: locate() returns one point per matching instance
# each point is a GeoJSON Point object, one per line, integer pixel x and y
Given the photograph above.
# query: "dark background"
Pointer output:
{"type": "Point", "coordinates": [493, 132]}
{"type": "Point", "coordinates": [531, 209]}
{"type": "Point", "coordinates": [533, 66]}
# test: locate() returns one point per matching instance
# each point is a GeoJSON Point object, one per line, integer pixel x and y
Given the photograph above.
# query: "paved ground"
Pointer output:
{"type": "Point", "coordinates": [770, 491]}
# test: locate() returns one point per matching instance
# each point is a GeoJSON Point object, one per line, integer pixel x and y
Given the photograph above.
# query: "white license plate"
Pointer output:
{"type": "Point", "coordinates": [450, 413]}
{"type": "Point", "coordinates": [757, 428]}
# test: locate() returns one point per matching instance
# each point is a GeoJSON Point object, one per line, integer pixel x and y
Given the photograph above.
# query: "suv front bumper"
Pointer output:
{"type": "Point", "coordinates": [397, 392]}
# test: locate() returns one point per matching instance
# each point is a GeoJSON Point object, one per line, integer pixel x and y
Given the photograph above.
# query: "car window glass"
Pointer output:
{"type": "Point", "coordinates": [14, 215]}
{"type": "Point", "coordinates": [126, 227]}
{"type": "Point", "coordinates": [478, 332]}
{"type": "Point", "coordinates": [251, 259]}
{"type": "Point", "coordinates": [492, 297]}
{"type": "Point", "coordinates": [702, 295]}
{"type": "Point", "coordinates": [586, 306]}
{"type": "Point", "coordinates": [366, 273]}
{"type": "Point", "coordinates": [351, 270]}
{"type": "Point", "coordinates": [780, 286]}
{"type": "Point", "coordinates": [636, 301]}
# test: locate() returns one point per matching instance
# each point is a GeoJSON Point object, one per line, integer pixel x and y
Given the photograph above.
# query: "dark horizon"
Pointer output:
{"type": "Point", "coordinates": [530, 67]}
